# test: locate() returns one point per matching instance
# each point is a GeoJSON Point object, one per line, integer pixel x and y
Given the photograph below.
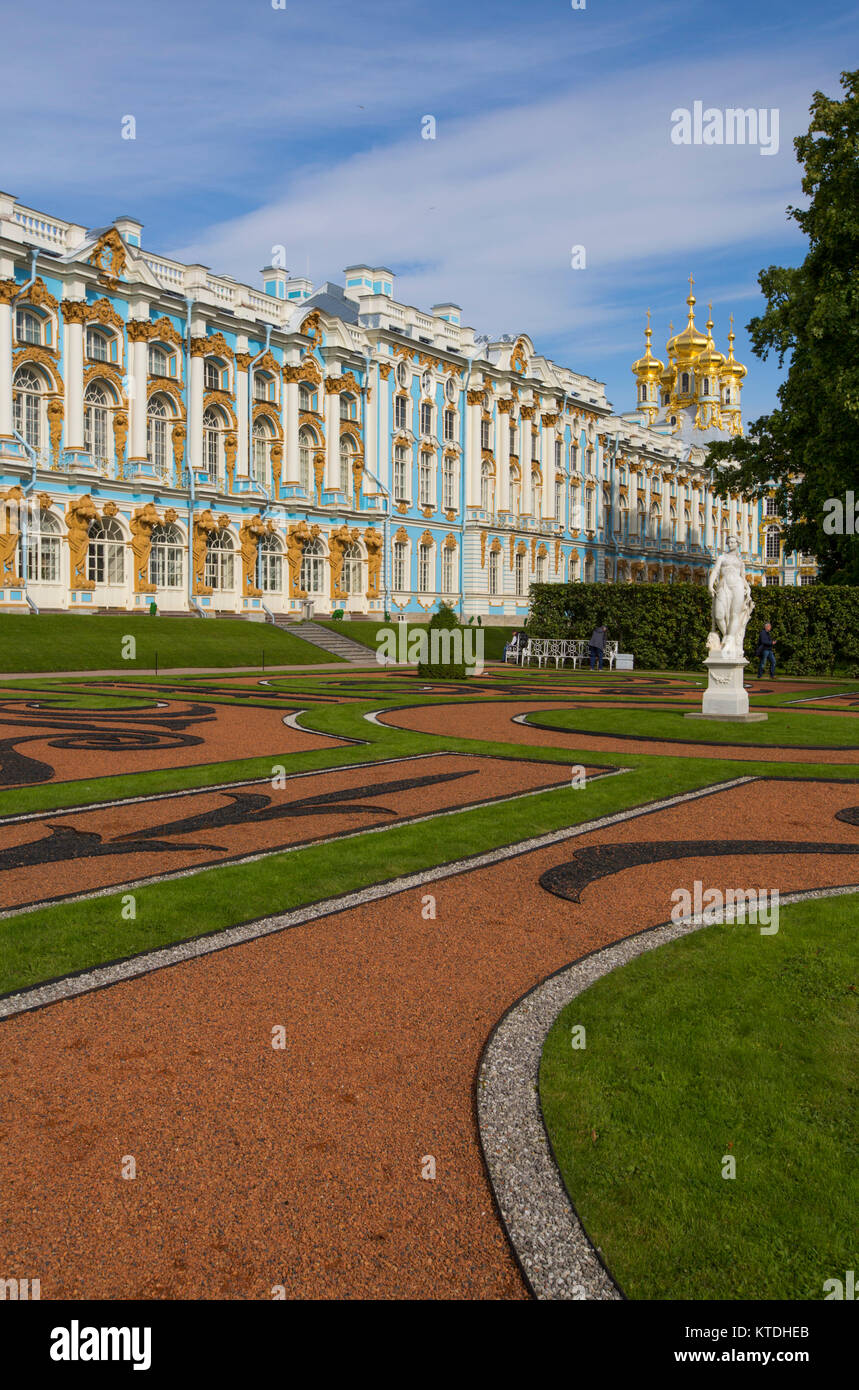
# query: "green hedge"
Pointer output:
{"type": "Point", "coordinates": [665, 626]}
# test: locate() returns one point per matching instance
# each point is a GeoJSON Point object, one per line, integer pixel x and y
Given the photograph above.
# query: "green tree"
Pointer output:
{"type": "Point", "coordinates": [807, 449]}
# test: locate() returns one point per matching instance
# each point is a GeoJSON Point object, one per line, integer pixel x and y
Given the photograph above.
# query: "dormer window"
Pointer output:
{"type": "Point", "coordinates": [28, 327]}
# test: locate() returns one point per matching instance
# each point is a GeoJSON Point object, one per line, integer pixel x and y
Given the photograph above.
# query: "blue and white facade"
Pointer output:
{"type": "Point", "coordinates": [170, 435]}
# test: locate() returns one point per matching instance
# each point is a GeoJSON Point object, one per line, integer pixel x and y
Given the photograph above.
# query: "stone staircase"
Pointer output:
{"type": "Point", "coordinates": [337, 643]}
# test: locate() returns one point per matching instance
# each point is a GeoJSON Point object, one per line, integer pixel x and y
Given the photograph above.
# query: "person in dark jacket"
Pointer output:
{"type": "Point", "coordinates": [596, 646]}
{"type": "Point", "coordinates": [765, 651]}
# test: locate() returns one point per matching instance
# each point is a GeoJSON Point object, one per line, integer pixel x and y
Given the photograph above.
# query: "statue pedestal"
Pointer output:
{"type": "Point", "coordinates": [726, 697]}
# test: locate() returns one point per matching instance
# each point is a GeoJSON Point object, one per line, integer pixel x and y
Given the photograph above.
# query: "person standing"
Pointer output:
{"type": "Point", "coordinates": [766, 651]}
{"type": "Point", "coordinates": [596, 646]}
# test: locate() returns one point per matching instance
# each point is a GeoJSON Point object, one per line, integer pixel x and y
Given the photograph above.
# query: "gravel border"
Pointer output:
{"type": "Point", "coordinates": [551, 1246]}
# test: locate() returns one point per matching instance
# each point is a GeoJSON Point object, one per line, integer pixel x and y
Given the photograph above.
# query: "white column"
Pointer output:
{"type": "Point", "coordinates": [383, 465]}
{"type": "Point", "coordinates": [548, 450]}
{"type": "Point", "coordinates": [74, 372]}
{"type": "Point", "coordinates": [525, 449]}
{"type": "Point", "coordinates": [472, 455]}
{"type": "Point", "coordinates": [139, 368]}
{"type": "Point", "coordinates": [243, 462]}
{"type": "Point", "coordinates": [195, 413]}
{"type": "Point", "coordinates": [291, 462]}
{"type": "Point", "coordinates": [5, 369]}
{"type": "Point", "coordinates": [370, 454]}
{"type": "Point", "coordinates": [332, 441]}
{"type": "Point", "coordinates": [502, 463]}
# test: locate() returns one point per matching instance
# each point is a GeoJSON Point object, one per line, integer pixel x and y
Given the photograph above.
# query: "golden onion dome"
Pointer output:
{"type": "Point", "coordinates": [648, 367]}
{"type": "Point", "coordinates": [711, 360]}
{"type": "Point", "coordinates": [732, 367]}
{"type": "Point", "coordinates": [687, 345]}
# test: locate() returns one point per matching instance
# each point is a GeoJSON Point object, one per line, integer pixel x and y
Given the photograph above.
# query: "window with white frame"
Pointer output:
{"type": "Point", "coordinates": [212, 445]}
{"type": "Point", "coordinates": [27, 406]}
{"type": "Point", "coordinates": [540, 575]}
{"type": "Point", "coordinates": [212, 375]}
{"type": "Point", "coordinates": [306, 445]}
{"type": "Point", "coordinates": [157, 361]}
{"type": "Point", "coordinates": [106, 552]}
{"type": "Point", "coordinates": [306, 397]}
{"type": "Point", "coordinates": [487, 488]}
{"type": "Point", "coordinates": [28, 326]}
{"type": "Point", "coordinates": [400, 412]}
{"type": "Point", "coordinates": [219, 562]}
{"type": "Point", "coordinates": [402, 375]}
{"type": "Point", "coordinates": [591, 463]}
{"type": "Point", "coordinates": [426, 417]}
{"type": "Point", "coordinates": [574, 568]}
{"type": "Point", "coordinates": [448, 484]}
{"type": "Point", "coordinates": [773, 542]}
{"type": "Point", "coordinates": [773, 580]}
{"type": "Point", "coordinates": [590, 509]}
{"type": "Point", "coordinates": [514, 439]}
{"type": "Point", "coordinates": [156, 434]}
{"type": "Point", "coordinates": [312, 575]}
{"type": "Point", "coordinates": [96, 429]}
{"type": "Point", "coordinates": [559, 499]}
{"type": "Point", "coordinates": [263, 387]}
{"type": "Point", "coordinates": [400, 566]}
{"type": "Point", "coordinates": [425, 480]}
{"type": "Point", "coordinates": [43, 550]}
{"type": "Point", "coordinates": [515, 489]}
{"type": "Point", "coordinates": [262, 446]}
{"type": "Point", "coordinates": [400, 474]}
{"type": "Point", "coordinates": [574, 457]}
{"type": "Point", "coordinates": [97, 346]}
{"type": "Point", "coordinates": [448, 570]}
{"type": "Point", "coordinates": [424, 568]}
{"type": "Point", "coordinates": [449, 425]}
{"type": "Point", "coordinates": [166, 557]}
{"type": "Point", "coordinates": [348, 407]}
{"type": "Point", "coordinates": [485, 434]}
{"type": "Point", "coordinates": [270, 565]}
{"type": "Point", "coordinates": [352, 563]}
{"type": "Point", "coordinates": [536, 492]}
{"type": "Point", "coordinates": [519, 573]}
{"type": "Point", "coordinates": [348, 451]}
{"type": "Point", "coordinates": [770, 507]}
{"type": "Point", "coordinates": [493, 572]}
{"type": "Point", "coordinates": [559, 454]}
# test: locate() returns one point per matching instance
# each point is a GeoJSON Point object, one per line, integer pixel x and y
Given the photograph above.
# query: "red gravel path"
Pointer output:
{"type": "Point", "coordinates": [493, 722]}
{"type": "Point", "coordinates": [302, 1166]}
{"type": "Point", "coordinates": [485, 779]}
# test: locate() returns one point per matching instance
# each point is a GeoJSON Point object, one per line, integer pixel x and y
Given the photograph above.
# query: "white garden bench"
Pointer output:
{"type": "Point", "coordinates": [576, 650]}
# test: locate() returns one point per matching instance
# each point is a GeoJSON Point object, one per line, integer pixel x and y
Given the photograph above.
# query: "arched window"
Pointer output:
{"type": "Point", "coordinates": [673, 522]}
{"type": "Point", "coordinates": [96, 425]}
{"type": "Point", "coordinates": [157, 361]}
{"type": "Point", "coordinates": [262, 445]}
{"type": "Point", "coordinates": [43, 550]}
{"type": "Point", "coordinates": [400, 566]}
{"type": "Point", "coordinates": [156, 434]}
{"type": "Point", "coordinates": [28, 326]}
{"type": "Point", "coordinates": [348, 450]}
{"type": "Point", "coordinates": [166, 557]}
{"type": "Point", "coordinates": [536, 492]}
{"type": "Point", "coordinates": [270, 565]}
{"type": "Point", "coordinates": [106, 552]}
{"type": "Point", "coordinates": [684, 383]}
{"type": "Point", "coordinates": [487, 488]}
{"type": "Point", "coordinates": [519, 573]}
{"type": "Point", "coordinates": [706, 386]}
{"type": "Point", "coordinates": [212, 445]}
{"type": "Point", "coordinates": [352, 570]}
{"type": "Point", "coordinates": [219, 562]}
{"type": "Point", "coordinates": [400, 474]}
{"type": "Point", "coordinates": [515, 489]}
{"type": "Point", "coordinates": [306, 445]}
{"type": "Point", "coordinates": [424, 568]}
{"type": "Point", "coordinates": [97, 345]}
{"type": "Point", "coordinates": [448, 570]}
{"type": "Point", "coordinates": [27, 406]}
{"type": "Point", "coordinates": [312, 568]}
{"type": "Point", "coordinates": [448, 484]}
{"type": "Point", "coordinates": [493, 573]}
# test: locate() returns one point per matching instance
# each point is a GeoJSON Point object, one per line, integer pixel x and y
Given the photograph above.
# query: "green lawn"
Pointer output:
{"type": "Point", "coordinates": [795, 730]}
{"type": "Point", "coordinates": [494, 638]}
{"type": "Point", "coordinates": [725, 1042]}
{"type": "Point", "coordinates": [91, 642]}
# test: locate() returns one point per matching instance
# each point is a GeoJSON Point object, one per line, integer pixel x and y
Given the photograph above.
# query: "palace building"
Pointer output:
{"type": "Point", "coordinates": [171, 435]}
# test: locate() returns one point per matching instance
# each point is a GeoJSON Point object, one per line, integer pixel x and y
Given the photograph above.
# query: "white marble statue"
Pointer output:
{"type": "Point", "coordinates": [732, 604]}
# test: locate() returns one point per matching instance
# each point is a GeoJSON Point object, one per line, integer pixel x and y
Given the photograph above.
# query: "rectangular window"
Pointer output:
{"type": "Point", "coordinates": [493, 572]}
{"type": "Point", "coordinates": [424, 556]}
{"type": "Point", "coordinates": [400, 567]}
{"type": "Point", "coordinates": [448, 485]}
{"type": "Point", "coordinates": [448, 570]}
{"type": "Point", "coordinates": [400, 493]}
{"type": "Point", "coordinates": [400, 412]}
{"type": "Point", "coordinates": [449, 425]}
{"type": "Point", "coordinates": [425, 494]}
{"type": "Point", "coordinates": [484, 434]}
{"type": "Point", "coordinates": [426, 418]}
{"type": "Point", "coordinates": [589, 510]}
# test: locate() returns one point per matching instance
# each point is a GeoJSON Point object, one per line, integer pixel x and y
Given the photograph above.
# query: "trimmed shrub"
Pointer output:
{"type": "Point", "coordinates": [665, 626]}
{"type": "Point", "coordinates": [442, 673]}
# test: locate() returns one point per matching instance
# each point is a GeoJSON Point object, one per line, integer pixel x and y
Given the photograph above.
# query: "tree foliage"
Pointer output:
{"type": "Point", "coordinates": [807, 447]}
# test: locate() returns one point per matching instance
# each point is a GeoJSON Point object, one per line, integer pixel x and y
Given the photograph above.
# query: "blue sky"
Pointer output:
{"type": "Point", "coordinates": [301, 127]}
